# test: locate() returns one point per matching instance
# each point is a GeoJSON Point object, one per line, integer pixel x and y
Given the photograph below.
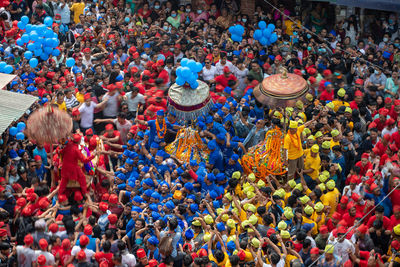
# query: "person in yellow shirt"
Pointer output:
{"type": "Point", "coordinates": [339, 101]}
{"type": "Point", "coordinates": [220, 256]}
{"type": "Point", "coordinates": [77, 8]}
{"type": "Point", "coordinates": [308, 212]}
{"type": "Point", "coordinates": [312, 164]}
{"type": "Point", "coordinates": [60, 101]}
{"type": "Point", "coordinates": [293, 148]}
{"type": "Point", "coordinates": [319, 215]}
{"type": "Point", "coordinates": [289, 25]}
{"type": "Point", "coordinates": [331, 198]}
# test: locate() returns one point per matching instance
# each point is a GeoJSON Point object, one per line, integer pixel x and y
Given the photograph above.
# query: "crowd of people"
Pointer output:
{"type": "Point", "coordinates": [337, 205]}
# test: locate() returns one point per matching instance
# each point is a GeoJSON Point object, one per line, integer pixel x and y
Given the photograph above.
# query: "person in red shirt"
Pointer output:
{"type": "Point", "coordinates": [105, 255]}
{"type": "Point", "coordinates": [333, 221]}
{"type": "Point", "coordinates": [395, 110]}
{"type": "Point", "coordinates": [327, 78]}
{"type": "Point", "coordinates": [65, 252]}
{"type": "Point", "coordinates": [165, 51]}
{"type": "Point", "coordinates": [358, 98]}
{"type": "Point", "coordinates": [396, 136]}
{"type": "Point", "coordinates": [395, 218]}
{"type": "Point", "coordinates": [379, 211]}
{"type": "Point", "coordinates": [395, 196]}
{"type": "Point", "coordinates": [112, 136]}
{"type": "Point", "coordinates": [327, 94]}
{"type": "Point", "coordinates": [383, 144]}
{"type": "Point", "coordinates": [364, 164]}
{"type": "Point", "coordinates": [351, 215]}
{"type": "Point", "coordinates": [161, 73]}
{"type": "Point", "coordinates": [381, 121]}
{"type": "Point", "coordinates": [224, 79]}
{"type": "Point", "coordinates": [342, 207]}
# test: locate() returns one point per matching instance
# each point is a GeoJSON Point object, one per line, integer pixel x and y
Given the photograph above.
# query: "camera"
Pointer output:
{"type": "Point", "coordinates": [150, 224]}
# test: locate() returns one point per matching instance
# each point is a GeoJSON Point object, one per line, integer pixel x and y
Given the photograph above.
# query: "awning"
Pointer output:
{"type": "Point", "coordinates": [385, 5]}
{"type": "Point", "coordinates": [12, 105]}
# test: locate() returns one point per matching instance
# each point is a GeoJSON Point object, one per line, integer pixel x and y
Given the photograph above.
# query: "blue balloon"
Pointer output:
{"type": "Point", "coordinates": [38, 52]}
{"type": "Point", "coordinates": [33, 62]}
{"type": "Point", "coordinates": [41, 29]}
{"type": "Point", "coordinates": [48, 33]}
{"type": "Point", "coordinates": [194, 84]}
{"type": "Point", "coordinates": [180, 81]}
{"type": "Point", "coordinates": [70, 62]}
{"type": "Point", "coordinates": [28, 55]}
{"type": "Point", "coordinates": [21, 25]}
{"type": "Point", "coordinates": [266, 33]}
{"type": "Point", "coordinates": [19, 42]}
{"type": "Point", "coordinates": [28, 28]}
{"type": "Point", "coordinates": [199, 67]}
{"type": "Point", "coordinates": [160, 57]}
{"type": "Point", "coordinates": [21, 126]}
{"type": "Point", "coordinates": [8, 69]}
{"type": "Point", "coordinates": [37, 45]}
{"type": "Point", "coordinates": [192, 65]}
{"type": "Point", "coordinates": [33, 36]}
{"type": "Point", "coordinates": [273, 38]}
{"type": "Point", "coordinates": [257, 34]}
{"type": "Point", "coordinates": [31, 47]}
{"type": "Point", "coordinates": [55, 52]}
{"type": "Point", "coordinates": [191, 78]}
{"type": "Point", "coordinates": [239, 30]}
{"type": "Point", "coordinates": [186, 73]}
{"type": "Point", "coordinates": [13, 131]}
{"type": "Point", "coordinates": [184, 62]}
{"type": "Point", "coordinates": [232, 29]}
{"type": "Point", "coordinates": [44, 56]}
{"type": "Point", "coordinates": [263, 41]}
{"type": "Point", "coordinates": [47, 50]}
{"type": "Point", "coordinates": [127, 19]}
{"type": "Point", "coordinates": [2, 65]}
{"type": "Point", "coordinates": [25, 38]}
{"type": "Point", "coordinates": [179, 72]}
{"type": "Point", "coordinates": [20, 136]}
{"type": "Point", "coordinates": [271, 27]}
{"type": "Point", "coordinates": [196, 76]}
{"type": "Point", "coordinates": [25, 19]}
{"type": "Point", "coordinates": [262, 25]}
{"type": "Point", "coordinates": [48, 21]}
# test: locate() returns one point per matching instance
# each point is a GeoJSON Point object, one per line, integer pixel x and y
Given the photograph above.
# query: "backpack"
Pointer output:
{"type": "Point", "coordinates": [165, 246]}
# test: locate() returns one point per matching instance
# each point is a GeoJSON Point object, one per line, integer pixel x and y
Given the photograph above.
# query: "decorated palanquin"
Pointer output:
{"type": "Point", "coordinates": [266, 157]}
{"type": "Point", "coordinates": [188, 146]}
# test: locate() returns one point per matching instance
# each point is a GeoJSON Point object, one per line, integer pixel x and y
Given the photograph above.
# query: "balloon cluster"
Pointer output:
{"type": "Point", "coordinates": [187, 73]}
{"type": "Point", "coordinates": [18, 131]}
{"type": "Point", "coordinates": [265, 35]}
{"type": "Point", "coordinates": [237, 32]}
{"type": "Point", "coordinates": [5, 68]}
{"type": "Point", "coordinates": [40, 40]}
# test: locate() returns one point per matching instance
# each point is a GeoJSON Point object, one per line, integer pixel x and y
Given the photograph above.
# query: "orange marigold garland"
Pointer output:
{"type": "Point", "coordinates": [163, 129]}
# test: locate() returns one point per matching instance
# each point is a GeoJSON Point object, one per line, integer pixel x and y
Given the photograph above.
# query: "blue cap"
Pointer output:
{"type": "Point", "coordinates": [133, 155]}
{"type": "Point", "coordinates": [221, 113]}
{"type": "Point", "coordinates": [193, 163]}
{"type": "Point", "coordinates": [137, 199]}
{"type": "Point", "coordinates": [121, 176]}
{"type": "Point", "coordinates": [154, 145]}
{"type": "Point", "coordinates": [155, 195]}
{"type": "Point", "coordinates": [153, 207]}
{"type": "Point", "coordinates": [14, 83]}
{"type": "Point", "coordinates": [189, 234]}
{"type": "Point", "coordinates": [194, 207]}
{"type": "Point", "coordinates": [129, 161]}
{"type": "Point", "coordinates": [308, 226]}
{"type": "Point", "coordinates": [137, 209]}
{"type": "Point", "coordinates": [234, 103]}
{"type": "Point", "coordinates": [228, 90]}
{"type": "Point", "coordinates": [209, 120]}
{"type": "Point", "coordinates": [146, 46]}
{"type": "Point", "coordinates": [164, 183]}
{"type": "Point", "coordinates": [262, 52]}
{"type": "Point", "coordinates": [231, 246]}
{"type": "Point", "coordinates": [140, 134]}
{"type": "Point", "coordinates": [160, 153]}
{"type": "Point", "coordinates": [147, 132]}
{"type": "Point", "coordinates": [221, 136]}
{"type": "Point", "coordinates": [21, 151]}
{"type": "Point", "coordinates": [170, 205]}
{"type": "Point", "coordinates": [212, 145]}
{"type": "Point", "coordinates": [145, 169]}
{"type": "Point", "coordinates": [211, 177]}
{"type": "Point", "coordinates": [131, 142]}
{"type": "Point", "coordinates": [220, 177]}
{"type": "Point", "coordinates": [327, 83]}
{"type": "Point", "coordinates": [119, 77]}
{"type": "Point", "coordinates": [235, 157]}
{"type": "Point", "coordinates": [189, 186]}
{"type": "Point", "coordinates": [160, 112]}
{"type": "Point", "coordinates": [13, 154]}
{"type": "Point", "coordinates": [156, 216]}
{"type": "Point", "coordinates": [218, 105]}
{"type": "Point", "coordinates": [213, 194]}
{"type": "Point", "coordinates": [126, 153]}
{"type": "Point", "coordinates": [153, 240]}
{"type": "Point", "coordinates": [220, 226]}
{"type": "Point", "coordinates": [179, 170]}
{"type": "Point", "coordinates": [192, 197]}
{"type": "Point", "coordinates": [148, 192]}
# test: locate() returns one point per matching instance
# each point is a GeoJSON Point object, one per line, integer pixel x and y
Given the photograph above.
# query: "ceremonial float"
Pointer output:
{"type": "Point", "coordinates": [278, 92]}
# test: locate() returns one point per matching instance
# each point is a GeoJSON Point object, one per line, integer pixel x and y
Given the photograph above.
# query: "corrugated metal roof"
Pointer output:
{"type": "Point", "coordinates": [12, 105]}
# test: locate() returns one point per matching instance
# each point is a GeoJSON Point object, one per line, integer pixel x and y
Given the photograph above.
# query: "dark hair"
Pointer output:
{"type": "Point", "coordinates": [275, 258]}
{"type": "Point", "coordinates": [379, 209]}
{"type": "Point", "coordinates": [219, 255]}
{"type": "Point", "coordinates": [173, 223]}
{"type": "Point", "coordinates": [106, 246]}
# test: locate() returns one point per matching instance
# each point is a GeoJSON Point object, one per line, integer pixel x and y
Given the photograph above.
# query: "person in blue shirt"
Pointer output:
{"type": "Point", "coordinates": [153, 251]}
{"type": "Point", "coordinates": [197, 168]}
{"type": "Point", "coordinates": [158, 128]}
{"type": "Point", "coordinates": [378, 195]}
{"type": "Point", "coordinates": [227, 116]}
{"type": "Point", "coordinates": [227, 146]}
{"type": "Point", "coordinates": [213, 128]}
{"type": "Point", "coordinates": [216, 158]}
{"type": "Point", "coordinates": [39, 150]}
{"type": "Point", "coordinates": [233, 165]}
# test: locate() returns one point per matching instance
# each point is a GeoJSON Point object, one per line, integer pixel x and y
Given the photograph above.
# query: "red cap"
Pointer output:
{"type": "Point", "coordinates": [103, 206]}
{"type": "Point", "coordinates": [242, 255]}
{"type": "Point", "coordinates": [3, 232]}
{"type": "Point", "coordinates": [312, 80]}
{"type": "Point", "coordinates": [363, 229]}
{"type": "Point", "coordinates": [153, 263]}
{"type": "Point", "coordinates": [355, 197]}
{"type": "Point", "coordinates": [393, 147]}
{"type": "Point", "coordinates": [112, 218]}
{"type": "Point", "coordinates": [387, 137]}
{"type": "Point", "coordinates": [359, 81]}
{"type": "Point", "coordinates": [141, 253]}
{"type": "Point", "coordinates": [62, 198]}
{"type": "Point", "coordinates": [50, 74]}
{"type": "Point", "coordinates": [270, 232]}
{"type": "Point", "coordinates": [31, 197]}
{"type": "Point", "coordinates": [76, 138]}
{"type": "Point", "coordinates": [226, 69]}
{"type": "Point", "coordinates": [43, 243]}
{"type": "Point", "coordinates": [28, 239]}
{"type": "Point", "coordinates": [250, 55]}
{"type": "Point", "coordinates": [111, 87]}
{"type": "Point", "coordinates": [37, 158]}
{"type": "Point", "coordinates": [311, 71]}
{"type": "Point", "coordinates": [358, 93]}
{"type": "Point", "coordinates": [53, 228]}
{"type": "Point", "coordinates": [396, 208]}
{"type": "Point", "coordinates": [44, 203]}
{"type": "Point", "coordinates": [354, 179]}
{"type": "Point", "coordinates": [79, 79]}
{"type": "Point", "coordinates": [105, 197]}
{"type": "Point", "coordinates": [266, 66]}
{"type": "Point", "coordinates": [160, 63]}
{"type": "Point", "coordinates": [75, 112]}
{"type": "Point", "coordinates": [395, 244]}
{"type": "Point", "coordinates": [364, 156]}
{"type": "Point", "coordinates": [397, 102]}
{"type": "Point", "coordinates": [59, 217]}
{"type": "Point", "coordinates": [21, 202]}
{"type": "Point", "coordinates": [297, 72]}
{"type": "Point", "coordinates": [86, 50]}
{"type": "Point", "coordinates": [373, 186]}
{"type": "Point", "coordinates": [342, 230]}
{"type": "Point", "coordinates": [109, 127]}
{"type": "Point", "coordinates": [390, 121]}
{"type": "Point", "coordinates": [388, 100]}
{"type": "Point", "coordinates": [383, 111]}
{"type": "Point", "coordinates": [83, 240]}
{"type": "Point", "coordinates": [41, 260]}
{"type": "Point", "coordinates": [327, 72]}
{"type": "Point", "coordinates": [88, 230]}
{"type": "Point", "coordinates": [323, 229]}
{"type": "Point", "coordinates": [89, 131]}
{"type": "Point", "coordinates": [78, 196]}
{"type": "Point", "coordinates": [27, 211]}
{"type": "Point", "coordinates": [314, 251]}
{"type": "Point", "coordinates": [336, 216]}
{"type": "Point", "coordinates": [344, 200]}
{"type": "Point", "coordinates": [70, 84]}
{"type": "Point", "coordinates": [81, 255]}
{"type": "Point", "coordinates": [278, 57]}
{"type": "Point", "coordinates": [113, 199]}
{"type": "Point", "coordinates": [66, 243]}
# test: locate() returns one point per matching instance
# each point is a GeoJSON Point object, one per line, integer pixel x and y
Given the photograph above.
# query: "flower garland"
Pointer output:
{"type": "Point", "coordinates": [163, 129]}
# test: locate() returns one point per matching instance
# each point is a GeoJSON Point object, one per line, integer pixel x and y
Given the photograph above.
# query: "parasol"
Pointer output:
{"type": "Point", "coordinates": [281, 90]}
{"type": "Point", "coordinates": [48, 125]}
{"type": "Point", "coordinates": [189, 104]}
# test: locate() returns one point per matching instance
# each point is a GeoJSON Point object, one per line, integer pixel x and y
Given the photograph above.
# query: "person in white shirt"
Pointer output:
{"type": "Point", "coordinates": [209, 71]}
{"type": "Point", "coordinates": [50, 260]}
{"type": "Point", "coordinates": [123, 125]}
{"type": "Point", "coordinates": [87, 111]}
{"type": "Point", "coordinates": [127, 258]}
{"type": "Point", "coordinates": [25, 253]}
{"type": "Point", "coordinates": [342, 245]}
{"type": "Point", "coordinates": [83, 242]}
{"type": "Point", "coordinates": [134, 98]}
{"type": "Point", "coordinates": [222, 63]}
{"type": "Point", "coordinates": [353, 187]}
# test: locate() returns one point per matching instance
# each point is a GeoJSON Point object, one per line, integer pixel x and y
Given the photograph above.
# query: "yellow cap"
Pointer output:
{"type": "Point", "coordinates": [251, 177]}
{"type": "Point", "coordinates": [196, 223]}
{"type": "Point", "coordinates": [309, 210]}
{"type": "Point", "coordinates": [285, 234]}
{"type": "Point", "coordinates": [330, 105]}
{"type": "Point", "coordinates": [253, 219]}
{"type": "Point", "coordinates": [292, 183]}
{"type": "Point", "coordinates": [396, 229]}
{"type": "Point", "coordinates": [329, 248]}
{"type": "Point", "coordinates": [311, 137]}
{"type": "Point", "coordinates": [250, 195]}
{"type": "Point", "coordinates": [322, 178]}
{"type": "Point", "coordinates": [348, 109]}
{"type": "Point", "coordinates": [255, 243]}
{"type": "Point", "coordinates": [208, 219]}
{"type": "Point", "coordinates": [177, 195]}
{"type": "Point", "coordinates": [235, 210]}
{"type": "Point", "coordinates": [231, 237]}
{"type": "Point", "coordinates": [326, 173]}
{"type": "Point", "coordinates": [245, 223]}
{"type": "Point", "coordinates": [335, 133]}
{"type": "Point", "coordinates": [318, 134]}
{"type": "Point", "coordinates": [260, 183]}
{"type": "Point", "coordinates": [293, 124]}
{"type": "Point", "coordinates": [289, 110]}
{"type": "Point", "coordinates": [326, 145]}
{"type": "Point", "coordinates": [315, 148]}
{"type": "Point", "coordinates": [319, 207]}
{"type": "Point", "coordinates": [299, 104]}
{"type": "Point", "coordinates": [288, 214]}
{"type": "Point", "coordinates": [341, 92]}
{"type": "Point", "coordinates": [300, 121]}
{"type": "Point", "coordinates": [230, 223]}
{"type": "Point", "coordinates": [306, 131]}
{"type": "Point", "coordinates": [282, 225]}
{"type": "Point", "coordinates": [228, 196]}
{"type": "Point", "coordinates": [138, 23]}
{"type": "Point", "coordinates": [280, 192]}
{"type": "Point", "coordinates": [330, 184]}
{"type": "Point", "coordinates": [277, 114]}
{"type": "Point", "coordinates": [225, 217]}
{"type": "Point", "coordinates": [219, 211]}
{"type": "Point", "coordinates": [236, 175]}
{"type": "Point", "coordinates": [299, 186]}
{"type": "Point", "coordinates": [302, 116]}
{"type": "Point", "coordinates": [309, 97]}
{"type": "Point", "coordinates": [304, 199]}
{"type": "Point", "coordinates": [322, 186]}
{"type": "Point", "coordinates": [207, 237]}
{"type": "Point", "coordinates": [251, 208]}
{"type": "Point", "coordinates": [249, 230]}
